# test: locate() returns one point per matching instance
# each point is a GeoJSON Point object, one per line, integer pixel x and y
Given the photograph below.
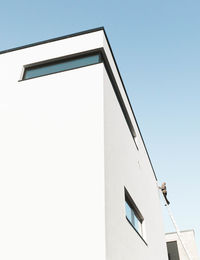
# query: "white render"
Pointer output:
{"type": "Point", "coordinates": [66, 154]}
{"type": "Point", "coordinates": [188, 238]}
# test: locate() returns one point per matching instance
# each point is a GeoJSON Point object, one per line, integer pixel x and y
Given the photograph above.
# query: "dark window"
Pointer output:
{"type": "Point", "coordinates": [50, 67]}
{"type": "Point", "coordinates": [172, 249]}
{"type": "Point", "coordinates": [133, 215]}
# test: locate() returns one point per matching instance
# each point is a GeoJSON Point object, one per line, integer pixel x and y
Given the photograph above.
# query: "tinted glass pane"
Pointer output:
{"type": "Point", "coordinates": [138, 225]}
{"type": "Point", "coordinates": [172, 249]}
{"type": "Point", "coordinates": [133, 219]}
{"type": "Point", "coordinates": [128, 212]}
{"type": "Point", "coordinates": [62, 65]}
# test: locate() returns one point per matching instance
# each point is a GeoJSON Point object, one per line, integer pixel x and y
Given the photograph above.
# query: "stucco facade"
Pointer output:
{"type": "Point", "coordinates": [69, 147]}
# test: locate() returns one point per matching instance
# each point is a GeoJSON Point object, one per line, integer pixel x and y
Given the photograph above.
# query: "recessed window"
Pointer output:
{"type": "Point", "coordinates": [133, 215]}
{"type": "Point", "coordinates": [63, 64]}
{"type": "Point", "coordinates": [172, 249]}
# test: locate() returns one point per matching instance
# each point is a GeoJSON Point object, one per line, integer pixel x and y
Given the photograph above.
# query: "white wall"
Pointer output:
{"type": "Point", "coordinates": [127, 166]}
{"type": "Point", "coordinates": [188, 238]}
{"type": "Point", "coordinates": [51, 158]}
{"type": "Point", "coordinates": [66, 154]}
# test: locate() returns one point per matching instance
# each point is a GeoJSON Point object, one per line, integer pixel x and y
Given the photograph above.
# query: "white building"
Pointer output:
{"type": "Point", "coordinates": [76, 181]}
{"type": "Point", "coordinates": [176, 250]}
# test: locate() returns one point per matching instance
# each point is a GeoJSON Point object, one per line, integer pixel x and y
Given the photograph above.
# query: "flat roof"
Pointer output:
{"type": "Point", "coordinates": [78, 34]}
{"type": "Point", "coordinates": [188, 230]}
{"type": "Point", "coordinates": [53, 40]}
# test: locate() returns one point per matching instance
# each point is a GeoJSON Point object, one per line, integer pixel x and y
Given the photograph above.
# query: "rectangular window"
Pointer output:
{"type": "Point", "coordinates": [63, 64]}
{"type": "Point", "coordinates": [172, 249]}
{"type": "Point", "coordinates": [133, 215]}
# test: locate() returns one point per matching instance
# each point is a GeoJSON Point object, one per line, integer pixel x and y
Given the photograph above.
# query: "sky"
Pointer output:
{"type": "Point", "coordinates": [157, 48]}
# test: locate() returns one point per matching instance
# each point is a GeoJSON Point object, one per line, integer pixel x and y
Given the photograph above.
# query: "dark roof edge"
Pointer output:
{"type": "Point", "coordinates": [130, 104]}
{"type": "Point", "coordinates": [53, 40]}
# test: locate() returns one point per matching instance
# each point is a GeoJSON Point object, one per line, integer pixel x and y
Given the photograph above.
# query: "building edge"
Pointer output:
{"type": "Point", "coordinates": [101, 28]}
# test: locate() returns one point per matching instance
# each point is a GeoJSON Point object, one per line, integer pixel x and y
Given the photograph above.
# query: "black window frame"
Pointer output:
{"type": "Point", "coordinates": [58, 60]}
{"type": "Point", "coordinates": [137, 213]}
{"type": "Point", "coordinates": [173, 250]}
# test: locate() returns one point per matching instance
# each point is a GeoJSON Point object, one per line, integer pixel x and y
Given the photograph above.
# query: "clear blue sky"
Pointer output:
{"type": "Point", "coordinates": [157, 47]}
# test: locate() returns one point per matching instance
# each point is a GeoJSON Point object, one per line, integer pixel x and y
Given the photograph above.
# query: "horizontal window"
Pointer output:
{"type": "Point", "coordinates": [60, 65]}
{"type": "Point", "coordinates": [76, 61]}
{"type": "Point", "coordinates": [133, 215]}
